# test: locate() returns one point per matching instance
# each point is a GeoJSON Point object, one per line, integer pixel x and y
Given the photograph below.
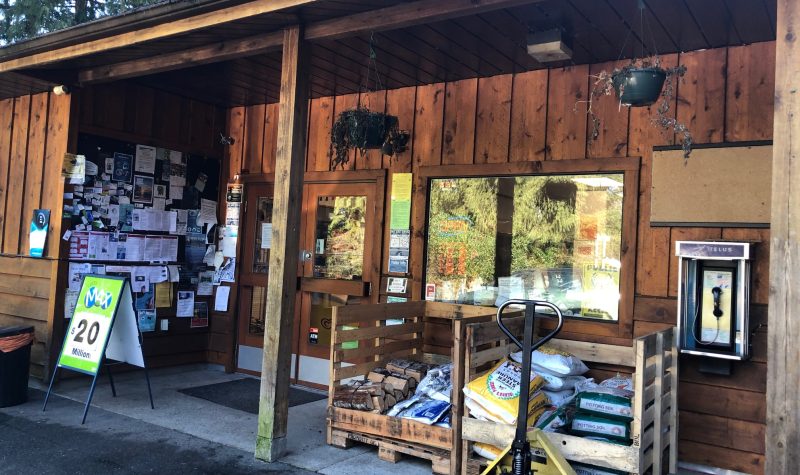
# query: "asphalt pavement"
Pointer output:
{"type": "Point", "coordinates": [55, 442]}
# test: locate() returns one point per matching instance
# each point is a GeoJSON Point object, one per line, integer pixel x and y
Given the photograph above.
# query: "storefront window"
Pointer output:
{"type": "Point", "coordinates": [339, 237]}
{"type": "Point", "coordinates": [554, 238]}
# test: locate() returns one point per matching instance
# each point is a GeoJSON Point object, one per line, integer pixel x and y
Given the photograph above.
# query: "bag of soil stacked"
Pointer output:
{"type": "Point", "coordinates": [551, 360]}
{"type": "Point", "coordinates": [486, 451]}
{"type": "Point", "coordinates": [606, 402]}
{"type": "Point", "coordinates": [584, 469]}
{"type": "Point", "coordinates": [589, 425]}
{"type": "Point", "coordinates": [498, 390]}
{"type": "Point", "coordinates": [537, 404]}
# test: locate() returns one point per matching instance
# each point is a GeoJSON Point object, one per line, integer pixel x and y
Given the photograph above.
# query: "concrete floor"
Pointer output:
{"type": "Point", "coordinates": [229, 427]}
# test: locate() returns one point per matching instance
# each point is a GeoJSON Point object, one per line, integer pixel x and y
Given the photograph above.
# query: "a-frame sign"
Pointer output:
{"type": "Point", "coordinates": [103, 326]}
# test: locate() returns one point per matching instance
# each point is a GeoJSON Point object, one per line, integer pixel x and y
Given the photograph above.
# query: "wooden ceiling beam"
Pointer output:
{"type": "Point", "coordinates": [389, 18]}
{"type": "Point", "coordinates": [185, 25]}
{"type": "Point", "coordinates": [223, 51]}
{"type": "Point", "coordinates": [404, 15]}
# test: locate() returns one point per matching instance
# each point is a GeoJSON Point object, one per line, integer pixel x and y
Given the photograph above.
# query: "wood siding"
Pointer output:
{"type": "Point", "coordinates": [34, 133]}
{"type": "Point", "coordinates": [727, 95]}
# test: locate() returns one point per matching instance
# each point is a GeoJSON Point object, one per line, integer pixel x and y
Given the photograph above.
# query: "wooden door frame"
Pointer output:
{"type": "Point", "coordinates": [376, 178]}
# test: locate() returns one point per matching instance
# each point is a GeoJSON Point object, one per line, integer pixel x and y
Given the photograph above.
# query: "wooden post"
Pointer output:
{"type": "Point", "coordinates": [783, 368]}
{"type": "Point", "coordinates": [273, 406]}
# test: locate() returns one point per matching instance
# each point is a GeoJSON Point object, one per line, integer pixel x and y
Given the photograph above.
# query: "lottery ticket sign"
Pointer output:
{"type": "Point", "coordinates": [90, 326]}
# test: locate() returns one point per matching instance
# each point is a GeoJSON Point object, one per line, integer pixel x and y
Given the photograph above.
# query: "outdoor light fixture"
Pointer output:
{"type": "Point", "coordinates": [548, 46]}
{"type": "Point", "coordinates": [60, 90]}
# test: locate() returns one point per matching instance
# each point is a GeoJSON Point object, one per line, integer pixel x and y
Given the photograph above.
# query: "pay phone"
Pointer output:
{"type": "Point", "coordinates": [714, 298]}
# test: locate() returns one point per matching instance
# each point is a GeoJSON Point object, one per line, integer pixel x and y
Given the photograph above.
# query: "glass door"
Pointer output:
{"type": "Point", "coordinates": [340, 264]}
{"type": "Point", "coordinates": [252, 301]}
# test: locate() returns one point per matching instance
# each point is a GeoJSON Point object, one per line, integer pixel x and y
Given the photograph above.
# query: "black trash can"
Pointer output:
{"type": "Point", "coordinates": [15, 360]}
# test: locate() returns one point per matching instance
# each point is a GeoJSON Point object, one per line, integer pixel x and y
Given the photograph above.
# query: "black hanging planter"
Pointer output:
{"type": "Point", "coordinates": [639, 87]}
{"type": "Point", "coordinates": [363, 130]}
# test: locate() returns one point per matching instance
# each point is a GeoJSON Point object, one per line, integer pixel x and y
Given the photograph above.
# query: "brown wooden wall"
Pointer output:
{"type": "Point", "coordinates": [33, 138]}
{"type": "Point", "coordinates": [726, 96]}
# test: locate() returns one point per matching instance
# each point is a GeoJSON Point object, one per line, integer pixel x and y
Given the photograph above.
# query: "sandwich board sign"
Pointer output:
{"type": "Point", "coordinates": [103, 326]}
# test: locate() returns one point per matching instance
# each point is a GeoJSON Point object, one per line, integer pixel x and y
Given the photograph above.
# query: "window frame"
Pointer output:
{"type": "Point", "coordinates": [574, 328]}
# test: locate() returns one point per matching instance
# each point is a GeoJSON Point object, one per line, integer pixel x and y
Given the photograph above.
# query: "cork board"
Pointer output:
{"type": "Point", "coordinates": [717, 186]}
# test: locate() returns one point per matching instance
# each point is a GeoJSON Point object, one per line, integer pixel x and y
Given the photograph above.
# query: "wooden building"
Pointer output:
{"type": "Point", "coordinates": [274, 75]}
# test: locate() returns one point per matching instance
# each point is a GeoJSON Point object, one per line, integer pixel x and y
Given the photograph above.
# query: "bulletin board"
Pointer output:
{"type": "Point", "coordinates": [181, 267]}
{"type": "Point", "coordinates": [715, 186]}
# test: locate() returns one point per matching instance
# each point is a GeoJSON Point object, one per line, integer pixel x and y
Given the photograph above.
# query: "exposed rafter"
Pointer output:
{"type": "Point", "coordinates": [164, 30]}
{"type": "Point", "coordinates": [389, 18]}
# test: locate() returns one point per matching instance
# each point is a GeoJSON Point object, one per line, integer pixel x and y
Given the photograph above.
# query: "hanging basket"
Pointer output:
{"type": "Point", "coordinates": [638, 87]}
{"type": "Point", "coordinates": [362, 129]}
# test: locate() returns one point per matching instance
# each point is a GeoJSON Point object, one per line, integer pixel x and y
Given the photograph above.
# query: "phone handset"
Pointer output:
{"type": "Point", "coordinates": [716, 292]}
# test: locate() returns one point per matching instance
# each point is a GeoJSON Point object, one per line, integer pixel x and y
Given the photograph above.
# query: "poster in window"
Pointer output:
{"type": "Point", "coordinates": [143, 189]}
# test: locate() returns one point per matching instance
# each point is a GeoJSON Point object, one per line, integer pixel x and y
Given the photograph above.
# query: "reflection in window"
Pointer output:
{"type": "Point", "coordinates": [339, 237]}
{"type": "Point", "coordinates": [555, 238]}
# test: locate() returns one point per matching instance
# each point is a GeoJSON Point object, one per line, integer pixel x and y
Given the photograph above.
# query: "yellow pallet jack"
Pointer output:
{"type": "Point", "coordinates": [516, 459]}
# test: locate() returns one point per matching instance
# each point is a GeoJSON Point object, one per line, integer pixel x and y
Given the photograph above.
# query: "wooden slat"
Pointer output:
{"type": "Point", "coordinates": [723, 432]}
{"type": "Point", "coordinates": [397, 428]}
{"type": "Point", "coordinates": [529, 116]}
{"type": "Point", "coordinates": [377, 332]}
{"type": "Point", "coordinates": [459, 122]}
{"type": "Point", "coordinates": [58, 132]}
{"type": "Point", "coordinates": [365, 350]}
{"type": "Point", "coordinates": [234, 152]}
{"type": "Point", "coordinates": [722, 402]}
{"type": "Point", "coordinates": [25, 266]}
{"type": "Point", "coordinates": [566, 116]}
{"type": "Point", "coordinates": [270, 138]}
{"type": "Point", "coordinates": [401, 103]}
{"type": "Point", "coordinates": [612, 133]}
{"type": "Point", "coordinates": [16, 175]}
{"type": "Point", "coordinates": [253, 138]}
{"type": "Point", "coordinates": [320, 121]}
{"type": "Point", "coordinates": [22, 306]}
{"type": "Point", "coordinates": [6, 128]}
{"type": "Point", "coordinates": [493, 119]}
{"type": "Point", "coordinates": [373, 313]}
{"type": "Point", "coordinates": [35, 287]}
{"type": "Point", "coordinates": [750, 92]}
{"type": "Point", "coordinates": [618, 355]}
{"type": "Point", "coordinates": [701, 94]}
{"type": "Point", "coordinates": [427, 139]}
{"type": "Point", "coordinates": [458, 311]}
{"type": "Point", "coordinates": [709, 455]}
{"type": "Point", "coordinates": [759, 290]}
{"type": "Point", "coordinates": [34, 165]}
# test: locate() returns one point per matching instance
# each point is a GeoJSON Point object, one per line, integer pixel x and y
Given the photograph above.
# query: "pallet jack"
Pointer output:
{"type": "Point", "coordinates": [516, 459]}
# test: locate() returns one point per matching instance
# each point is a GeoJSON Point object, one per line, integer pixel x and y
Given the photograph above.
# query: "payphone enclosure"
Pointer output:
{"type": "Point", "coordinates": [714, 298]}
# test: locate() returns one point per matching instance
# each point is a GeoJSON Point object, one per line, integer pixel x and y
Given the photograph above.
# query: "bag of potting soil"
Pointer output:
{"type": "Point", "coordinates": [486, 451]}
{"type": "Point", "coordinates": [556, 419]}
{"type": "Point", "coordinates": [437, 383]}
{"type": "Point", "coordinates": [554, 361]}
{"type": "Point", "coordinates": [537, 404]}
{"type": "Point", "coordinates": [444, 421]}
{"type": "Point", "coordinates": [618, 382]}
{"type": "Point", "coordinates": [498, 390]}
{"type": "Point", "coordinates": [584, 424]}
{"type": "Point", "coordinates": [559, 398]}
{"type": "Point", "coordinates": [606, 402]}
{"type": "Point", "coordinates": [426, 410]}
{"type": "Point", "coordinates": [402, 405]}
{"type": "Point", "coordinates": [555, 382]}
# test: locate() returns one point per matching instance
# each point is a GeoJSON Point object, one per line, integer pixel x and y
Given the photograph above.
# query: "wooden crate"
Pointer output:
{"type": "Point", "coordinates": [377, 343]}
{"type": "Point", "coordinates": [653, 360]}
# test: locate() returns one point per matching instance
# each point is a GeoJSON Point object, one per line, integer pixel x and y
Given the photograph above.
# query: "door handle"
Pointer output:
{"type": "Point", "coordinates": [305, 255]}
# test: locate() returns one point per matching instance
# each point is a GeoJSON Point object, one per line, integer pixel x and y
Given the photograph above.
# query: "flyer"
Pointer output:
{"type": "Point", "coordinates": [185, 306]}
{"type": "Point", "coordinates": [200, 316]}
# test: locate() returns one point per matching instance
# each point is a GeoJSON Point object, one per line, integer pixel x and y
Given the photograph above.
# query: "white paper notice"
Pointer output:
{"type": "Point", "coordinates": [140, 279]}
{"type": "Point", "coordinates": [145, 159]}
{"type": "Point", "coordinates": [134, 248]}
{"type": "Point", "coordinates": [174, 273]}
{"type": "Point", "coordinates": [159, 204]}
{"type": "Point", "coordinates": [175, 157]}
{"type": "Point", "coordinates": [181, 221]}
{"type": "Point", "coordinates": [175, 192]}
{"type": "Point", "coordinates": [169, 248]}
{"type": "Point", "coordinates": [152, 248]}
{"type": "Point", "coordinates": [158, 274]}
{"type": "Point", "coordinates": [70, 301]}
{"type": "Point", "coordinates": [266, 235]}
{"type": "Point", "coordinates": [205, 285]}
{"type": "Point", "coordinates": [185, 307]}
{"type": "Point", "coordinates": [76, 271]}
{"type": "Point", "coordinates": [208, 211]}
{"type": "Point", "coordinates": [221, 299]}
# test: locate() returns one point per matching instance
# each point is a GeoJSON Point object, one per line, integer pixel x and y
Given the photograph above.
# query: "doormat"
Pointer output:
{"type": "Point", "coordinates": [242, 394]}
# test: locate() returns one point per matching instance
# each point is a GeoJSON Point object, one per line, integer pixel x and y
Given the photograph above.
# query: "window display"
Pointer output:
{"type": "Point", "coordinates": [554, 237]}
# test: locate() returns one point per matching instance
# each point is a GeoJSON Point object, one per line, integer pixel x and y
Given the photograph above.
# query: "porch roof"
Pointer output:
{"type": "Point", "coordinates": [228, 52]}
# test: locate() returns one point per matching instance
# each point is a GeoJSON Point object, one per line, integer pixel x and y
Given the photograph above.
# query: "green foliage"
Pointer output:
{"type": "Point", "coordinates": [25, 19]}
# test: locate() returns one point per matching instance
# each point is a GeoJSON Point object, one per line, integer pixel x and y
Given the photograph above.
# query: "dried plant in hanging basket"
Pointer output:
{"type": "Point", "coordinates": [362, 129]}
{"type": "Point", "coordinates": [642, 83]}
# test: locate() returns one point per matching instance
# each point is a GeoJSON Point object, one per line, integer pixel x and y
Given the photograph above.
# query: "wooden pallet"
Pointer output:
{"type": "Point", "coordinates": [362, 340]}
{"type": "Point", "coordinates": [392, 450]}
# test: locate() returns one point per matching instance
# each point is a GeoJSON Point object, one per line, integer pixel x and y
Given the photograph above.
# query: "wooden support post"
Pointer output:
{"type": "Point", "coordinates": [273, 406]}
{"type": "Point", "coordinates": [783, 353]}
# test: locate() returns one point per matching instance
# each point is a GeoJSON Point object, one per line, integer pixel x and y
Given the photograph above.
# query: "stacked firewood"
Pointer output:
{"type": "Point", "coordinates": [382, 388]}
